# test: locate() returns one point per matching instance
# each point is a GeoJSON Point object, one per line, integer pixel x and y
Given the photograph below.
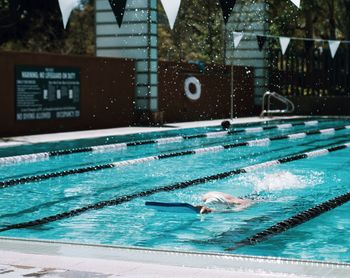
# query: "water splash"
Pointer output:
{"type": "Point", "coordinates": [283, 180]}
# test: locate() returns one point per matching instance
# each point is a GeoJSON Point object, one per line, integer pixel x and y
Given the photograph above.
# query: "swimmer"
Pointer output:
{"type": "Point", "coordinates": [223, 203]}
{"type": "Point", "coordinates": [225, 125]}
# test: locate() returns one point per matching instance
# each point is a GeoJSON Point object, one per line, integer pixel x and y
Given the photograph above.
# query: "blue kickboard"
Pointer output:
{"type": "Point", "coordinates": [173, 207]}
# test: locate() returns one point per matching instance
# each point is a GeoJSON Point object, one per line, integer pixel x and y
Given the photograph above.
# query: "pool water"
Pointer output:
{"type": "Point", "coordinates": [283, 191]}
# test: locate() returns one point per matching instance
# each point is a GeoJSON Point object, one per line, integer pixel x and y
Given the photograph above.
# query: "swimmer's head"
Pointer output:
{"type": "Point", "coordinates": [225, 125]}
{"type": "Point", "coordinates": [213, 200]}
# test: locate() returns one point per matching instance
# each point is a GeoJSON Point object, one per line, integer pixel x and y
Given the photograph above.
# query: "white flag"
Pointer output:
{"type": "Point", "coordinates": [296, 3]}
{"type": "Point", "coordinates": [333, 46]}
{"type": "Point", "coordinates": [237, 37]}
{"type": "Point", "coordinates": [66, 7]}
{"type": "Point", "coordinates": [171, 8]}
{"type": "Point", "coordinates": [284, 42]}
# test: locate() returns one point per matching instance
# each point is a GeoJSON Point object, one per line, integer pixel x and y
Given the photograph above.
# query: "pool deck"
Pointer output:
{"type": "Point", "coordinates": [30, 258]}
{"type": "Point", "coordinates": [26, 258]}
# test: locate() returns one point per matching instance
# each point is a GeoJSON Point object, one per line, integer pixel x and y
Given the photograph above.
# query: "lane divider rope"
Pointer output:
{"type": "Point", "coordinates": [41, 177]}
{"type": "Point", "coordinates": [180, 185]}
{"type": "Point", "coordinates": [123, 146]}
{"type": "Point", "coordinates": [293, 221]}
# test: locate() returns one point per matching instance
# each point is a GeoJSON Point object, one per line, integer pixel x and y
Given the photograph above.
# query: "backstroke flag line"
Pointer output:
{"type": "Point", "coordinates": [66, 7]}
{"type": "Point", "coordinates": [284, 42]}
{"type": "Point", "coordinates": [227, 7]}
{"type": "Point", "coordinates": [333, 46]}
{"type": "Point", "coordinates": [171, 8]}
{"type": "Point", "coordinates": [237, 37]}
{"type": "Point", "coordinates": [118, 7]}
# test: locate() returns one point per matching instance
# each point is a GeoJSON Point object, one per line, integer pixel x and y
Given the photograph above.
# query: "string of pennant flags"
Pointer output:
{"type": "Point", "coordinates": [171, 8]}
{"type": "Point", "coordinates": [285, 41]}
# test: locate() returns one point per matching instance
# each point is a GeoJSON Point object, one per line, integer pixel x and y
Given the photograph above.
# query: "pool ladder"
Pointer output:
{"type": "Point", "coordinates": [268, 95]}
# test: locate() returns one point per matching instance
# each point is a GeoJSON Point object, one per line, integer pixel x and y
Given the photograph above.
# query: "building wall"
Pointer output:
{"type": "Point", "coordinates": [249, 19]}
{"type": "Point", "coordinates": [106, 93]}
{"type": "Point", "coordinates": [215, 99]}
{"type": "Point", "coordinates": [137, 38]}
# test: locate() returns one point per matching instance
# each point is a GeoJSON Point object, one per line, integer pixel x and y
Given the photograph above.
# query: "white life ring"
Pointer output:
{"type": "Point", "coordinates": [197, 94]}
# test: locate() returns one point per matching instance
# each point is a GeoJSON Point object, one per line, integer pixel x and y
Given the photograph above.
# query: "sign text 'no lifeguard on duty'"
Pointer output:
{"type": "Point", "coordinates": [47, 93]}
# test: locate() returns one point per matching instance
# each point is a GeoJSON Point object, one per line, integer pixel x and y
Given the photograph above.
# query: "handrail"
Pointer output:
{"type": "Point", "coordinates": [289, 105]}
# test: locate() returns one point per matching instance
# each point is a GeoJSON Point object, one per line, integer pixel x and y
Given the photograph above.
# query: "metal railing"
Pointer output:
{"type": "Point", "coordinates": [268, 95]}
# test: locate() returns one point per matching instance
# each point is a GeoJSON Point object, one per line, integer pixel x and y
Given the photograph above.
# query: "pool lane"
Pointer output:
{"type": "Point", "coordinates": [177, 186]}
{"type": "Point", "coordinates": [160, 141]}
{"type": "Point", "coordinates": [217, 148]}
{"type": "Point", "coordinates": [293, 221]}
{"type": "Point", "coordinates": [85, 143]}
{"type": "Point", "coordinates": [87, 159]}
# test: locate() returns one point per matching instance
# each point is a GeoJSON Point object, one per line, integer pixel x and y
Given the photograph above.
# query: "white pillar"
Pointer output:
{"type": "Point", "coordinates": [136, 39]}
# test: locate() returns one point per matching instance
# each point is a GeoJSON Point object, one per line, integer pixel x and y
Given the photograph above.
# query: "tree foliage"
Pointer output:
{"type": "Point", "coordinates": [322, 19]}
{"type": "Point", "coordinates": [197, 34]}
{"type": "Point", "coordinates": [199, 28]}
{"type": "Point", "coordinates": [37, 27]}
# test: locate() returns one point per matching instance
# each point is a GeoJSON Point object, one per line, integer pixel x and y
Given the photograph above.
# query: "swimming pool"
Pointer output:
{"type": "Point", "coordinates": [97, 195]}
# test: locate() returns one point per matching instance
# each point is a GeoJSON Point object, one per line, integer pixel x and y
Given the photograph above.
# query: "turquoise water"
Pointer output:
{"type": "Point", "coordinates": [284, 189]}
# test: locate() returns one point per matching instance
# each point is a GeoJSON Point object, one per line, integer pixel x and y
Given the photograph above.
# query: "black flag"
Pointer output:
{"type": "Point", "coordinates": [118, 7]}
{"type": "Point", "coordinates": [227, 7]}
{"type": "Point", "coordinates": [308, 45]}
{"type": "Point", "coordinates": [261, 42]}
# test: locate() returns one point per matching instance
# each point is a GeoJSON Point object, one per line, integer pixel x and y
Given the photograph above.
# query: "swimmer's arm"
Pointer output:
{"type": "Point", "coordinates": [242, 207]}
{"type": "Point", "coordinates": [231, 210]}
{"type": "Point", "coordinates": [206, 210]}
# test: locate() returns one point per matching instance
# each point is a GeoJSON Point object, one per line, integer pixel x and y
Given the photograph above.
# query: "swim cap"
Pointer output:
{"type": "Point", "coordinates": [216, 199]}
{"type": "Point", "coordinates": [225, 125]}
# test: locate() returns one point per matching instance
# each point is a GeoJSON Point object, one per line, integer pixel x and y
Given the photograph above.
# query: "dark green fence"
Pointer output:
{"type": "Point", "coordinates": [298, 73]}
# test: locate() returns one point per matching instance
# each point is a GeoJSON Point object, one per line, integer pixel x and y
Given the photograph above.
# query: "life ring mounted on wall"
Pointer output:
{"type": "Point", "coordinates": [197, 84]}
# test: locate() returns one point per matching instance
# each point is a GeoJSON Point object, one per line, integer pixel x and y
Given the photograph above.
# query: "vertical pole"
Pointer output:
{"type": "Point", "coordinates": [225, 41]}
{"type": "Point", "coordinates": [231, 75]}
{"type": "Point", "coordinates": [149, 22]}
{"type": "Point", "coordinates": [232, 93]}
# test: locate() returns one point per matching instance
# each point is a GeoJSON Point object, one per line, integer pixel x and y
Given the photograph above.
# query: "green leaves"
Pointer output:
{"type": "Point", "coordinates": [40, 30]}
{"type": "Point", "coordinates": [197, 35]}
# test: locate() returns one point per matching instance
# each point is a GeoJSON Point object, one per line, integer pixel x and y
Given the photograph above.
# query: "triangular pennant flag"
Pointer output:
{"type": "Point", "coordinates": [66, 7]}
{"type": "Point", "coordinates": [308, 45]}
{"type": "Point", "coordinates": [284, 42]}
{"type": "Point", "coordinates": [227, 7]}
{"type": "Point", "coordinates": [237, 37]}
{"type": "Point", "coordinates": [171, 8]}
{"type": "Point", "coordinates": [118, 8]}
{"type": "Point", "coordinates": [333, 46]}
{"type": "Point", "coordinates": [296, 3]}
{"type": "Point", "coordinates": [261, 42]}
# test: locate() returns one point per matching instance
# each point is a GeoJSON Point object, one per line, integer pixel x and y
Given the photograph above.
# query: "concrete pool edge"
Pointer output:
{"type": "Point", "coordinates": [120, 131]}
{"type": "Point", "coordinates": [56, 254]}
